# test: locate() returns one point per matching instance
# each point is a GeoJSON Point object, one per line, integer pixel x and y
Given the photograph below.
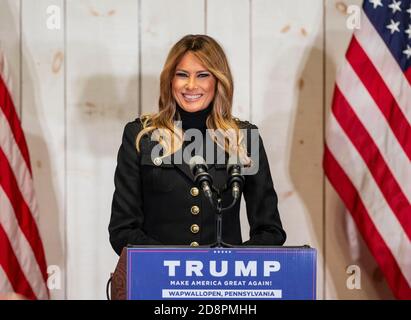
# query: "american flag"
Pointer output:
{"type": "Point", "coordinates": [368, 138]}
{"type": "Point", "coordinates": [22, 259]}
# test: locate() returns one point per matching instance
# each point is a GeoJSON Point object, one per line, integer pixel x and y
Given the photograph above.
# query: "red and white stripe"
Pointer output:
{"type": "Point", "coordinates": [22, 260]}
{"type": "Point", "coordinates": [4, 281]}
{"type": "Point", "coordinates": [368, 151]}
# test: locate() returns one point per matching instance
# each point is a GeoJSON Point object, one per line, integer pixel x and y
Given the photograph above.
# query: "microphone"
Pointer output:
{"type": "Point", "coordinates": [235, 179]}
{"type": "Point", "coordinates": [202, 178]}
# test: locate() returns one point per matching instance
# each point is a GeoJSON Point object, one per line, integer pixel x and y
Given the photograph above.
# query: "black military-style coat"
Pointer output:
{"type": "Point", "coordinates": [158, 203]}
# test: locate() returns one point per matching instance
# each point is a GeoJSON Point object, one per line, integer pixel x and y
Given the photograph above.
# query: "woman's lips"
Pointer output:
{"type": "Point", "coordinates": [192, 97]}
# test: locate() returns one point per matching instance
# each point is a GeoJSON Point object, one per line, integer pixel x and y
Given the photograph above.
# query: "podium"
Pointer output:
{"type": "Point", "coordinates": [187, 273]}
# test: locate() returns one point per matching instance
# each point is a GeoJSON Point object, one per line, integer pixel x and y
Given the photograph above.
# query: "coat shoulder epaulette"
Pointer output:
{"type": "Point", "coordinates": [143, 121]}
{"type": "Point", "coordinates": [243, 124]}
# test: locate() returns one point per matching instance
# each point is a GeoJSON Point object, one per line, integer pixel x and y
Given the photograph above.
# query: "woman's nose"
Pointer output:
{"type": "Point", "coordinates": [191, 83]}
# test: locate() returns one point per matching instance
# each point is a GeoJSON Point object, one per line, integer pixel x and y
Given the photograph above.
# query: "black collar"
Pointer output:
{"type": "Point", "coordinates": [194, 120]}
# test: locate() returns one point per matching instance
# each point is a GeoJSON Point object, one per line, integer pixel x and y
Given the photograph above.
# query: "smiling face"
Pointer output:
{"type": "Point", "coordinates": [193, 85]}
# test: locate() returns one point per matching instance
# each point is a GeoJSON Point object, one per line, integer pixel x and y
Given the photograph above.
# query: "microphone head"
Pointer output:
{"type": "Point", "coordinates": [233, 162]}
{"type": "Point", "coordinates": [197, 160]}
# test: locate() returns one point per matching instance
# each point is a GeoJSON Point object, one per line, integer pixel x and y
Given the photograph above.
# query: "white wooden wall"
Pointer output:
{"type": "Point", "coordinates": [76, 87]}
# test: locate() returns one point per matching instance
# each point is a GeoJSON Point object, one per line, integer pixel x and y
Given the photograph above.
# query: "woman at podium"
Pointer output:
{"type": "Point", "coordinates": [174, 164]}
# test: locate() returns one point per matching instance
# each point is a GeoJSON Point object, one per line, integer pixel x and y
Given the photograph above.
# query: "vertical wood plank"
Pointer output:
{"type": "Point", "coordinates": [338, 253]}
{"type": "Point", "coordinates": [10, 45]}
{"type": "Point", "coordinates": [228, 22]}
{"type": "Point", "coordinates": [287, 107]}
{"type": "Point", "coordinates": [43, 123]}
{"type": "Point", "coordinates": [102, 96]}
{"type": "Point", "coordinates": [163, 23]}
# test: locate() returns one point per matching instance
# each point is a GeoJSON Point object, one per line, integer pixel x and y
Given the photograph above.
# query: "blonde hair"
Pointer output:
{"type": "Point", "coordinates": [212, 56]}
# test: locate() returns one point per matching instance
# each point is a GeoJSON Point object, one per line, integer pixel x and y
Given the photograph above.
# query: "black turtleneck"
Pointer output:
{"type": "Point", "coordinates": [194, 120]}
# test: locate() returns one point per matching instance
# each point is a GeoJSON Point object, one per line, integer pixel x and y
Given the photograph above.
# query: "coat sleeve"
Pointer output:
{"type": "Point", "coordinates": [127, 215]}
{"type": "Point", "coordinates": [261, 203]}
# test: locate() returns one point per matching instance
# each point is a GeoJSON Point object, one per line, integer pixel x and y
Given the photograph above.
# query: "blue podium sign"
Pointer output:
{"type": "Point", "coordinates": [221, 273]}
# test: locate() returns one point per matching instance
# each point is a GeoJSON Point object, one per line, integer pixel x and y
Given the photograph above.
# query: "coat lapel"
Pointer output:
{"type": "Point", "coordinates": [180, 164]}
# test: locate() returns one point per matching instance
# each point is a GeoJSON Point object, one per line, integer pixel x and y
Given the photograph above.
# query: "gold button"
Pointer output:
{"type": "Point", "coordinates": [157, 161]}
{"type": "Point", "coordinates": [194, 244]}
{"type": "Point", "coordinates": [194, 191]}
{"type": "Point", "coordinates": [195, 210]}
{"type": "Point", "coordinates": [194, 228]}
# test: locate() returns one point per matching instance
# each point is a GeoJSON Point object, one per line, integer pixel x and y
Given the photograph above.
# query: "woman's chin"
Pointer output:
{"type": "Point", "coordinates": [192, 107]}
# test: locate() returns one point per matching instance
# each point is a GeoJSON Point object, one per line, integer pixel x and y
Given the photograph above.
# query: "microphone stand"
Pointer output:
{"type": "Point", "coordinates": [219, 229]}
{"type": "Point", "coordinates": [204, 180]}
{"type": "Point", "coordinates": [219, 243]}
{"type": "Point", "coordinates": [219, 226]}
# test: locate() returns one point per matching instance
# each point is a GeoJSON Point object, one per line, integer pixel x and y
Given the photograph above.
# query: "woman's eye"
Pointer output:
{"type": "Point", "coordinates": [179, 74]}
{"type": "Point", "coordinates": [203, 75]}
